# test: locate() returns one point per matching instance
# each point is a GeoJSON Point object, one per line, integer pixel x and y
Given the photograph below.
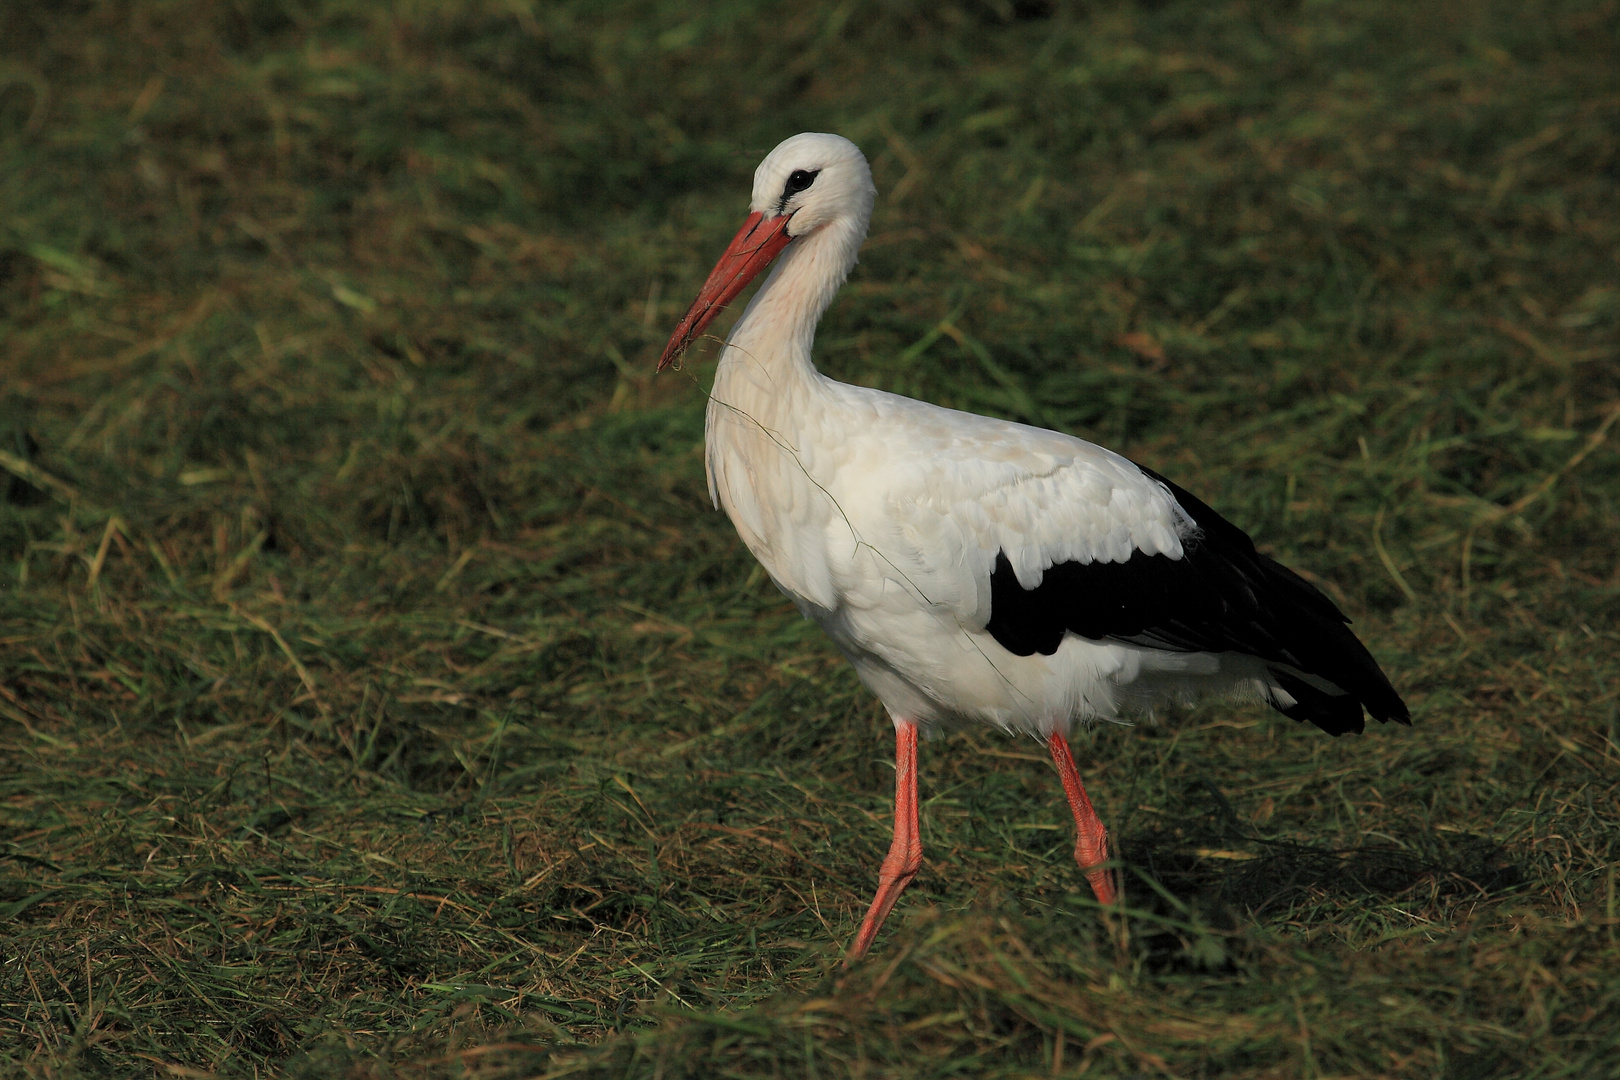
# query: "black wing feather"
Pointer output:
{"type": "Point", "coordinates": [1221, 596]}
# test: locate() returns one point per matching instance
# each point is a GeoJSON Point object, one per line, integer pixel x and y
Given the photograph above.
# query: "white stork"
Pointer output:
{"type": "Point", "coordinates": [972, 569]}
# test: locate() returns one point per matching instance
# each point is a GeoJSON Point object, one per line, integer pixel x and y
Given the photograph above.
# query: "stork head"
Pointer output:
{"type": "Point", "coordinates": [809, 182]}
{"type": "Point", "coordinates": [813, 179]}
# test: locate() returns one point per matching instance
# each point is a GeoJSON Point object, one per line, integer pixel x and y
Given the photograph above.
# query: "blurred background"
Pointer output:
{"type": "Point", "coordinates": [380, 694]}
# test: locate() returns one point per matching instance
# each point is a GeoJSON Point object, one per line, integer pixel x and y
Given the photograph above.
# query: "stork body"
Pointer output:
{"type": "Point", "coordinates": [974, 569]}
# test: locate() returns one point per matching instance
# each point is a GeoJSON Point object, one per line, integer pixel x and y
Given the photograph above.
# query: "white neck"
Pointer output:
{"type": "Point", "coordinates": [768, 397]}
{"type": "Point", "coordinates": [771, 413]}
{"type": "Point", "coordinates": [767, 361]}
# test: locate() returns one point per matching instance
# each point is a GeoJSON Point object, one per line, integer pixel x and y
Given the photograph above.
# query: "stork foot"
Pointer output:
{"type": "Point", "coordinates": [1091, 839]}
{"type": "Point", "coordinates": [905, 853]}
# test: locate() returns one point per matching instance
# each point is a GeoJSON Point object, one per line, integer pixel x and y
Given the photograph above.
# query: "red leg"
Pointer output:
{"type": "Point", "coordinates": [905, 854]}
{"type": "Point", "coordinates": [1091, 839]}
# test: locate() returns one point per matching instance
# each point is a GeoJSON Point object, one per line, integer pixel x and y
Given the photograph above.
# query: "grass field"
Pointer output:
{"type": "Point", "coordinates": [381, 697]}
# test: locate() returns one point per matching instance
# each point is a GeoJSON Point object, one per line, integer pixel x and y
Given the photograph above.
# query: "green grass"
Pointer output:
{"type": "Point", "coordinates": [380, 695]}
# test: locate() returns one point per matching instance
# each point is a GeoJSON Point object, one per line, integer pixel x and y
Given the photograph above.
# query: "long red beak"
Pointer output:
{"type": "Point", "coordinates": [759, 241]}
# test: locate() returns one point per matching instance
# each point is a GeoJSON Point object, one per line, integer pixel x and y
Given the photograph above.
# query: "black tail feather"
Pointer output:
{"type": "Point", "coordinates": [1336, 714]}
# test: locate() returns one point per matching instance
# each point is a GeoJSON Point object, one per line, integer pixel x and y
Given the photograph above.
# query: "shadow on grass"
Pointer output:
{"type": "Point", "coordinates": [1215, 863]}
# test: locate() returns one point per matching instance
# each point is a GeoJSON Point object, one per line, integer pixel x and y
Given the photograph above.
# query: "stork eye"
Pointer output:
{"type": "Point", "coordinates": [797, 181]}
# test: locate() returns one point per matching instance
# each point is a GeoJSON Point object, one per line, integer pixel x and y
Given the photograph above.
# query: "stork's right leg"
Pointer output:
{"type": "Point", "coordinates": [905, 853]}
{"type": "Point", "coordinates": [1091, 839]}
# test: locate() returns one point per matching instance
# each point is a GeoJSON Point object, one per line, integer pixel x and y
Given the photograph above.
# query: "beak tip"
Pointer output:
{"type": "Point", "coordinates": [672, 352]}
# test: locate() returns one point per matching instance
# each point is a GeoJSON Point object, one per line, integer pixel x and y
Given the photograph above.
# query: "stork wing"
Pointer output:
{"type": "Point", "coordinates": [1032, 535]}
{"type": "Point", "coordinates": [1216, 594]}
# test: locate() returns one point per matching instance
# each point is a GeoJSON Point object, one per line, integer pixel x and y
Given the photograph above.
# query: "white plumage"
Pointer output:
{"type": "Point", "coordinates": [885, 520]}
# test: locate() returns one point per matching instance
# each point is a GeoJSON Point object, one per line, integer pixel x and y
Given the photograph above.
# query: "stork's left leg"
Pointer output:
{"type": "Point", "coordinates": [905, 853]}
{"type": "Point", "coordinates": [1091, 839]}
